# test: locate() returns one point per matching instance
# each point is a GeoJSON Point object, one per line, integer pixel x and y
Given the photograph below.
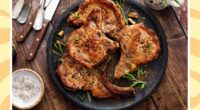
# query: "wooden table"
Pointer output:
{"type": "Point", "coordinates": [172, 93]}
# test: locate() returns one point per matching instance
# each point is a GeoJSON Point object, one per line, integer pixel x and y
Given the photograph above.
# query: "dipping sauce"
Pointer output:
{"type": "Point", "coordinates": [27, 88]}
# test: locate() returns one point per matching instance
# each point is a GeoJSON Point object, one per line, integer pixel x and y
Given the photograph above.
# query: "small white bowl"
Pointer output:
{"type": "Point", "coordinates": [27, 88]}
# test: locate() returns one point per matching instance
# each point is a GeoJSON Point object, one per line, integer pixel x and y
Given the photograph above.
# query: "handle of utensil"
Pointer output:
{"type": "Point", "coordinates": [37, 41]}
{"type": "Point", "coordinates": [26, 29]}
{"type": "Point", "coordinates": [17, 9]}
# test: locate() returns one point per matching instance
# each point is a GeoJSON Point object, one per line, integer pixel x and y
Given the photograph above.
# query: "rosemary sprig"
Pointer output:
{"type": "Point", "coordinates": [56, 53]}
{"type": "Point", "coordinates": [124, 14]}
{"type": "Point", "coordinates": [134, 81]}
{"type": "Point", "coordinates": [84, 95]}
{"type": "Point", "coordinates": [58, 48]}
{"type": "Point", "coordinates": [129, 76]}
{"type": "Point", "coordinates": [81, 97]}
{"type": "Point", "coordinates": [138, 82]}
{"type": "Point", "coordinates": [139, 72]}
{"type": "Point", "coordinates": [89, 96]}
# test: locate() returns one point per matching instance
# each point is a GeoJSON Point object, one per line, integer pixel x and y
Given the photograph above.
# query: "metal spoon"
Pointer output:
{"type": "Point", "coordinates": [39, 17]}
{"type": "Point", "coordinates": [17, 9]}
{"type": "Point", "coordinates": [25, 12]}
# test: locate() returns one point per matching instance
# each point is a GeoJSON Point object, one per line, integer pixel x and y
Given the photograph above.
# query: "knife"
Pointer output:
{"type": "Point", "coordinates": [27, 27]}
{"type": "Point", "coordinates": [48, 15]}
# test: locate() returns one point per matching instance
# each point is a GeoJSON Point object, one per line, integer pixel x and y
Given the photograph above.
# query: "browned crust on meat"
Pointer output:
{"type": "Point", "coordinates": [134, 41]}
{"type": "Point", "coordinates": [94, 47]}
{"type": "Point", "coordinates": [105, 3]}
{"type": "Point", "coordinates": [73, 79]}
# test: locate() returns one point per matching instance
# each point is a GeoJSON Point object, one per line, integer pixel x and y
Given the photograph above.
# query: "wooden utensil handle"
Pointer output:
{"type": "Point", "coordinates": [37, 41]}
{"type": "Point", "coordinates": [23, 35]}
{"type": "Point", "coordinates": [27, 27]}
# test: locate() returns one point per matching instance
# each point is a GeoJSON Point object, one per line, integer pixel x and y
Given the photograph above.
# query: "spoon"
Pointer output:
{"type": "Point", "coordinates": [25, 12]}
{"type": "Point", "coordinates": [39, 17]}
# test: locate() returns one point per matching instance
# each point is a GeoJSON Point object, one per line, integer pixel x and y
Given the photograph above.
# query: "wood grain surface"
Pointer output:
{"type": "Point", "coordinates": [172, 93]}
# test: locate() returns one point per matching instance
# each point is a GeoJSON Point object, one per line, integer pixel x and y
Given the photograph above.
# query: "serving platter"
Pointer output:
{"type": "Point", "coordinates": [156, 69]}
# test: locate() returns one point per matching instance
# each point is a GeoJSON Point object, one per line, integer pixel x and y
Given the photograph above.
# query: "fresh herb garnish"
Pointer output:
{"type": "Point", "coordinates": [77, 14]}
{"type": "Point", "coordinates": [84, 95]}
{"type": "Point", "coordinates": [149, 47]}
{"type": "Point", "coordinates": [141, 84]}
{"type": "Point", "coordinates": [120, 4]}
{"type": "Point", "coordinates": [80, 96]}
{"type": "Point", "coordinates": [129, 76]}
{"type": "Point", "coordinates": [89, 96]}
{"type": "Point", "coordinates": [58, 48]}
{"type": "Point", "coordinates": [139, 72]}
{"type": "Point", "coordinates": [134, 81]}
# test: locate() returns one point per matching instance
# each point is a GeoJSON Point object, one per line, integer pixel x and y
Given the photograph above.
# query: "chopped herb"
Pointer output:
{"type": "Point", "coordinates": [139, 72]}
{"type": "Point", "coordinates": [77, 14]}
{"type": "Point", "coordinates": [149, 48]}
{"type": "Point", "coordinates": [89, 97]}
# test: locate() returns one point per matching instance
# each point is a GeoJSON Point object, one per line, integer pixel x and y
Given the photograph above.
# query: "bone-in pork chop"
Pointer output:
{"type": "Point", "coordinates": [90, 46]}
{"type": "Point", "coordinates": [106, 13]}
{"type": "Point", "coordinates": [139, 45]}
{"type": "Point", "coordinates": [76, 76]}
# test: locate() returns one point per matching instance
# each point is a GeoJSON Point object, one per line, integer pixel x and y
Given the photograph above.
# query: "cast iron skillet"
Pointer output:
{"type": "Point", "coordinates": [157, 67]}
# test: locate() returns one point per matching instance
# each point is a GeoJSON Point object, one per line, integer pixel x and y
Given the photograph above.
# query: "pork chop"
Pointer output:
{"type": "Point", "coordinates": [76, 76]}
{"type": "Point", "coordinates": [90, 46]}
{"type": "Point", "coordinates": [139, 45]}
{"type": "Point", "coordinates": [107, 14]}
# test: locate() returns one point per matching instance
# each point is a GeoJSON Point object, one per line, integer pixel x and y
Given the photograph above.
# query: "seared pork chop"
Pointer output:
{"type": "Point", "coordinates": [90, 46]}
{"type": "Point", "coordinates": [76, 76]}
{"type": "Point", "coordinates": [139, 45]}
{"type": "Point", "coordinates": [107, 14]}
